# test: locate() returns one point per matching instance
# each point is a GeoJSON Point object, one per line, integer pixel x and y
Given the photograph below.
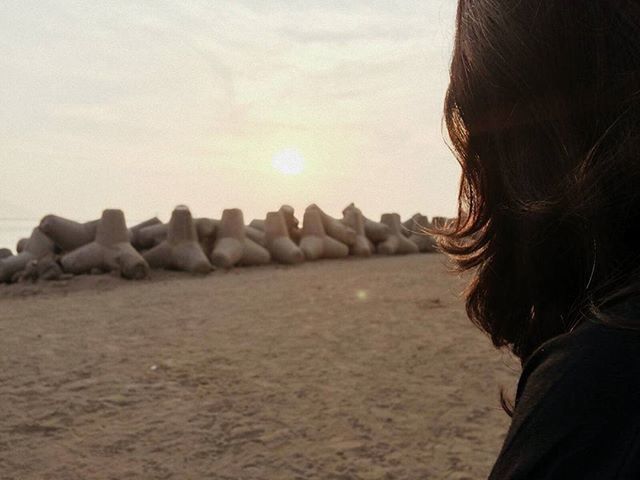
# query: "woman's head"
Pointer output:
{"type": "Point", "coordinates": [543, 113]}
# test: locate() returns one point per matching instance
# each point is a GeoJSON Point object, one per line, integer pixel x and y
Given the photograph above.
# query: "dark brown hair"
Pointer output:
{"type": "Point", "coordinates": [543, 114]}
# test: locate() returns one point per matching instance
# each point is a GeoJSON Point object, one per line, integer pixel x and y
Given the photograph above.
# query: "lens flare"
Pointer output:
{"type": "Point", "coordinates": [362, 295]}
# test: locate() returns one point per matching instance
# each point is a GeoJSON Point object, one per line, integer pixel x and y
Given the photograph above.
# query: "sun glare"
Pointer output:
{"type": "Point", "coordinates": [288, 162]}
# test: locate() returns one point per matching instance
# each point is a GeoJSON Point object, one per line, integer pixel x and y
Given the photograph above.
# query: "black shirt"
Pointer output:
{"type": "Point", "coordinates": [577, 411]}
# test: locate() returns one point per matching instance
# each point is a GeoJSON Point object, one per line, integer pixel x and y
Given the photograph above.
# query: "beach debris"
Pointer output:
{"type": "Point", "coordinates": [232, 247]}
{"type": "Point", "coordinates": [181, 250]}
{"type": "Point", "coordinates": [397, 243]}
{"type": "Point", "coordinates": [362, 247]}
{"type": "Point", "coordinates": [109, 251]}
{"type": "Point", "coordinates": [315, 242]}
{"type": "Point", "coordinates": [278, 241]}
{"type": "Point", "coordinates": [68, 235]}
{"type": "Point", "coordinates": [38, 246]}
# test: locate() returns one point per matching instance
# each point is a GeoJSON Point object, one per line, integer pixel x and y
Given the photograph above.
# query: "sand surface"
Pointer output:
{"type": "Point", "coordinates": [352, 369]}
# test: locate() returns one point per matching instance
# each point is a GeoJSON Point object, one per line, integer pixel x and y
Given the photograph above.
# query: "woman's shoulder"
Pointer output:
{"type": "Point", "coordinates": [590, 334]}
{"type": "Point", "coordinates": [594, 358]}
{"type": "Point", "coordinates": [577, 408]}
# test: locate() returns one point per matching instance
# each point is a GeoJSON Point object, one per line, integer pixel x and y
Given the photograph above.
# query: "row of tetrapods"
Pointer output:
{"type": "Point", "coordinates": [59, 248]}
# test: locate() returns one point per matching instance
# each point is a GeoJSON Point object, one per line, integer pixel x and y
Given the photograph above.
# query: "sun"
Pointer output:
{"type": "Point", "coordinates": [288, 162]}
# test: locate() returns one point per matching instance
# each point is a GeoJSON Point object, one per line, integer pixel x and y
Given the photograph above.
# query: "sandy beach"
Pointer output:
{"type": "Point", "coordinates": [352, 369]}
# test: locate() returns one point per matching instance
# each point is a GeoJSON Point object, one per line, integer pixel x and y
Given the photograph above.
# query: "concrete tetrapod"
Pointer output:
{"type": "Point", "coordinates": [134, 231]}
{"type": "Point", "coordinates": [397, 243]}
{"type": "Point", "coordinates": [44, 269]}
{"type": "Point", "coordinates": [376, 232]}
{"type": "Point", "coordinates": [425, 242]}
{"type": "Point", "coordinates": [110, 251]}
{"type": "Point", "coordinates": [181, 250]}
{"type": "Point", "coordinates": [232, 246]}
{"type": "Point", "coordinates": [206, 228]}
{"type": "Point", "coordinates": [150, 236]}
{"type": "Point", "coordinates": [293, 225]}
{"type": "Point", "coordinates": [335, 228]}
{"type": "Point", "coordinates": [290, 220]}
{"type": "Point", "coordinates": [256, 235]}
{"type": "Point", "coordinates": [415, 224]}
{"type": "Point", "coordinates": [257, 224]}
{"type": "Point", "coordinates": [278, 241]}
{"type": "Point", "coordinates": [362, 247]}
{"type": "Point", "coordinates": [38, 247]}
{"type": "Point", "coordinates": [68, 234]}
{"type": "Point", "coordinates": [413, 229]}
{"type": "Point", "coordinates": [315, 242]}
{"type": "Point", "coordinates": [21, 244]}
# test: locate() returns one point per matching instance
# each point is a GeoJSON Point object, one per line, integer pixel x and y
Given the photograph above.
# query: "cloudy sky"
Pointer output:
{"type": "Point", "coordinates": [148, 104]}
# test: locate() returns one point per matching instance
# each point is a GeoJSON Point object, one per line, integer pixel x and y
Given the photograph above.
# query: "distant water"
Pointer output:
{"type": "Point", "coordinates": [13, 229]}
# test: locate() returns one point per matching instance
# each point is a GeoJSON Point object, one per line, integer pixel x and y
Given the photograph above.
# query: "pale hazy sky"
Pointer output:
{"type": "Point", "coordinates": [148, 104]}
